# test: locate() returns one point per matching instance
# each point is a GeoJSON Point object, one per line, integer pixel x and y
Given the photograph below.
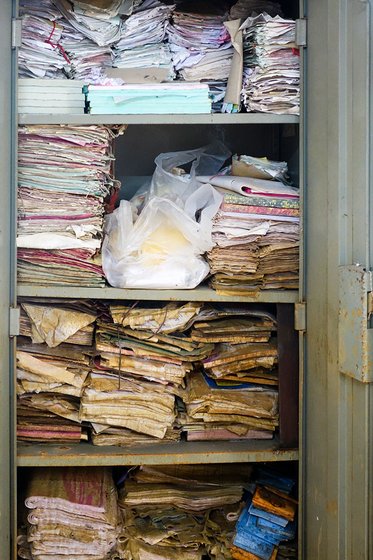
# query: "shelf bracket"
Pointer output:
{"type": "Point", "coordinates": [300, 316]}
{"type": "Point", "coordinates": [355, 333]}
{"type": "Point", "coordinates": [14, 321]}
{"type": "Point", "coordinates": [301, 32]}
{"type": "Point", "coordinates": [16, 32]}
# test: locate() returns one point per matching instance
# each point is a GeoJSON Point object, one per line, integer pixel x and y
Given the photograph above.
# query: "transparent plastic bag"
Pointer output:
{"type": "Point", "coordinates": [163, 247]}
{"type": "Point", "coordinates": [161, 250]}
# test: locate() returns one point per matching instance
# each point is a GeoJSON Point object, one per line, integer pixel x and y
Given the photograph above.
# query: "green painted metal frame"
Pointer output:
{"type": "Point", "coordinates": [338, 429]}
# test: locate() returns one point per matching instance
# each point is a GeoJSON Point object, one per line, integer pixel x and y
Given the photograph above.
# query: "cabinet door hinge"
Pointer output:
{"type": "Point", "coordinates": [14, 321]}
{"type": "Point", "coordinates": [16, 32]}
{"type": "Point", "coordinates": [355, 335]}
{"type": "Point", "coordinates": [300, 316]}
{"type": "Point", "coordinates": [301, 32]}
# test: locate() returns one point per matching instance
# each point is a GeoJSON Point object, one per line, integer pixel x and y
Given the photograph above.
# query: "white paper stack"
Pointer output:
{"type": "Point", "coordinates": [142, 40]}
{"type": "Point", "coordinates": [101, 25]}
{"type": "Point", "coordinates": [50, 96]}
{"type": "Point", "coordinates": [271, 65]}
{"type": "Point", "coordinates": [200, 44]}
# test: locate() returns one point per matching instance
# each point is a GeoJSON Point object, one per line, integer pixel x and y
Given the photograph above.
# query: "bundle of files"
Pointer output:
{"type": "Point", "coordinates": [142, 45]}
{"type": "Point", "coordinates": [72, 513]}
{"type": "Point", "coordinates": [38, 55]}
{"type": "Point", "coordinates": [183, 511]}
{"type": "Point", "coordinates": [255, 232]}
{"type": "Point", "coordinates": [142, 364]}
{"type": "Point", "coordinates": [64, 179]}
{"type": "Point", "coordinates": [271, 65]}
{"type": "Point", "coordinates": [268, 519]}
{"type": "Point", "coordinates": [100, 22]}
{"type": "Point", "coordinates": [50, 96]}
{"type": "Point", "coordinates": [148, 98]}
{"type": "Point", "coordinates": [52, 368]}
{"type": "Point", "coordinates": [53, 48]}
{"type": "Point", "coordinates": [235, 396]}
{"type": "Point", "coordinates": [201, 46]}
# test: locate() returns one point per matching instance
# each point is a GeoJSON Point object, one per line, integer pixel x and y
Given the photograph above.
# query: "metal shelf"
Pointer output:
{"type": "Point", "coordinates": [208, 118]}
{"type": "Point", "coordinates": [198, 294]}
{"type": "Point", "coordinates": [86, 454]}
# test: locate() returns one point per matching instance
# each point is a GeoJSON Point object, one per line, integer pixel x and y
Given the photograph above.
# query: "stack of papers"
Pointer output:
{"type": "Point", "coordinates": [256, 236]}
{"type": "Point", "coordinates": [226, 411]}
{"type": "Point", "coordinates": [50, 96]}
{"type": "Point", "coordinates": [88, 61]}
{"type": "Point", "coordinates": [141, 366]}
{"type": "Point", "coordinates": [52, 48]}
{"type": "Point", "coordinates": [141, 44]}
{"type": "Point", "coordinates": [72, 513]}
{"type": "Point", "coordinates": [271, 65]}
{"type": "Point", "coordinates": [100, 24]}
{"type": "Point", "coordinates": [180, 511]}
{"type": "Point", "coordinates": [174, 98]}
{"type": "Point", "coordinates": [201, 47]}
{"type": "Point", "coordinates": [38, 56]}
{"type": "Point", "coordinates": [268, 519]}
{"type": "Point", "coordinates": [64, 177]}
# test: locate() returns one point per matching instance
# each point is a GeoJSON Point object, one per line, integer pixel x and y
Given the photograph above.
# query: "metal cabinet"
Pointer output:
{"type": "Point", "coordinates": [331, 311]}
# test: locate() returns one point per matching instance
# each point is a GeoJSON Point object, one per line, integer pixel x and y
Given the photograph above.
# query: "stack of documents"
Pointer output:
{"type": "Point", "coordinates": [200, 43]}
{"type": "Point", "coordinates": [72, 513]}
{"type": "Point", "coordinates": [52, 48]}
{"type": "Point", "coordinates": [271, 65]}
{"type": "Point", "coordinates": [183, 511]}
{"type": "Point", "coordinates": [64, 177]}
{"type": "Point", "coordinates": [52, 368]}
{"type": "Point", "coordinates": [256, 236]}
{"type": "Point", "coordinates": [268, 519]}
{"type": "Point", "coordinates": [174, 98]}
{"type": "Point", "coordinates": [228, 411]}
{"type": "Point", "coordinates": [100, 24]}
{"type": "Point", "coordinates": [38, 56]}
{"type": "Point", "coordinates": [144, 356]}
{"type": "Point", "coordinates": [50, 96]}
{"type": "Point", "coordinates": [88, 61]}
{"type": "Point", "coordinates": [141, 44]}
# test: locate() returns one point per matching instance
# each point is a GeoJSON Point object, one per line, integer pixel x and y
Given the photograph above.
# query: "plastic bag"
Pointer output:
{"type": "Point", "coordinates": [161, 250]}
{"type": "Point", "coordinates": [204, 161]}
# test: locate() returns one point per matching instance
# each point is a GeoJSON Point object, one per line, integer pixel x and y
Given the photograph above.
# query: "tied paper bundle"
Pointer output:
{"type": "Point", "coordinates": [201, 46]}
{"type": "Point", "coordinates": [65, 177]}
{"type": "Point", "coordinates": [52, 369]}
{"type": "Point", "coordinates": [235, 397]}
{"type": "Point", "coordinates": [72, 513]}
{"type": "Point", "coordinates": [52, 48]}
{"type": "Point", "coordinates": [256, 230]}
{"type": "Point", "coordinates": [102, 25]}
{"type": "Point", "coordinates": [271, 66]}
{"type": "Point", "coordinates": [176, 512]}
{"type": "Point", "coordinates": [140, 371]}
{"type": "Point", "coordinates": [268, 519]}
{"type": "Point", "coordinates": [142, 43]}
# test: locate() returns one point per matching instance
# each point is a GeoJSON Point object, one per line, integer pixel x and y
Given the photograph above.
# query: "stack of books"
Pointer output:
{"type": "Point", "coordinates": [50, 96]}
{"type": "Point", "coordinates": [268, 519]}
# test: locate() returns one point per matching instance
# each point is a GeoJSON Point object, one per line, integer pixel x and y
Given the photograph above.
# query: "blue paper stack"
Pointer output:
{"type": "Point", "coordinates": [259, 531]}
{"type": "Point", "coordinates": [140, 99]}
